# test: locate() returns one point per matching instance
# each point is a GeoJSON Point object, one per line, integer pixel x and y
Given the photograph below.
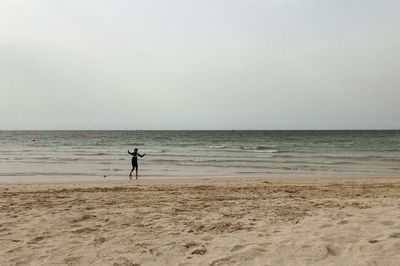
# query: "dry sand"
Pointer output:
{"type": "Point", "coordinates": [202, 222]}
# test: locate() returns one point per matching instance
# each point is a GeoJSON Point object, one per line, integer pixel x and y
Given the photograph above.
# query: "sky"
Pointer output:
{"type": "Point", "coordinates": [206, 64]}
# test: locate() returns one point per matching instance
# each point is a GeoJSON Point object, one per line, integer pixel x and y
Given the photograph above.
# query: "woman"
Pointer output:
{"type": "Point", "coordinates": [135, 155]}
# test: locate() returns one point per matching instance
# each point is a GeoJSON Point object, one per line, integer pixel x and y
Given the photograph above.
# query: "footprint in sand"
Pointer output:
{"type": "Point", "coordinates": [14, 250]}
{"type": "Point", "coordinates": [395, 235]}
{"type": "Point", "coordinates": [190, 244]}
{"type": "Point", "coordinates": [36, 239]}
{"type": "Point", "coordinates": [199, 251]}
{"type": "Point", "coordinates": [331, 250]}
{"type": "Point", "coordinates": [99, 240]}
{"type": "Point", "coordinates": [83, 218]}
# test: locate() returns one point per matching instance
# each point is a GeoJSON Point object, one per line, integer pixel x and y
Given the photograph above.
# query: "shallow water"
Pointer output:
{"type": "Point", "coordinates": [95, 154]}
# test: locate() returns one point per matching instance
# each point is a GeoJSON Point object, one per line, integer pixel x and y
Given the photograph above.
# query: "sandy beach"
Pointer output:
{"type": "Point", "coordinates": [202, 222]}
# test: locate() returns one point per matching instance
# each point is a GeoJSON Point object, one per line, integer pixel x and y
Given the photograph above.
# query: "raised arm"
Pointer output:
{"type": "Point", "coordinates": [141, 155]}
{"type": "Point", "coordinates": [130, 152]}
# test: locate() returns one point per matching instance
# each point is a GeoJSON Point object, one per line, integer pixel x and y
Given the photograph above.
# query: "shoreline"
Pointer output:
{"type": "Point", "coordinates": [268, 221]}
{"type": "Point", "coordinates": [9, 180]}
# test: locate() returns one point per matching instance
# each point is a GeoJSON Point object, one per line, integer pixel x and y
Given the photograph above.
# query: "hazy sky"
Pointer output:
{"type": "Point", "coordinates": [218, 64]}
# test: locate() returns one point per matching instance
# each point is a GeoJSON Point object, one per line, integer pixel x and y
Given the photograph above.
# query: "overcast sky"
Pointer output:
{"type": "Point", "coordinates": [218, 64]}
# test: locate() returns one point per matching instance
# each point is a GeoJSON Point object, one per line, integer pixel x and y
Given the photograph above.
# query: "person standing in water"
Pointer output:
{"type": "Point", "coordinates": [135, 155]}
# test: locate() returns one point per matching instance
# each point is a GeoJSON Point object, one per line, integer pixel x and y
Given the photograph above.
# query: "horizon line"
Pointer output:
{"type": "Point", "coordinates": [345, 129]}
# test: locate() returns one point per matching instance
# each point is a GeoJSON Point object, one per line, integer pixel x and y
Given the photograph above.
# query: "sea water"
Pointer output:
{"type": "Point", "coordinates": [37, 155]}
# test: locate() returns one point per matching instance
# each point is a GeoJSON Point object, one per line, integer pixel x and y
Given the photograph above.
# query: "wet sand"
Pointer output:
{"type": "Point", "coordinates": [202, 222]}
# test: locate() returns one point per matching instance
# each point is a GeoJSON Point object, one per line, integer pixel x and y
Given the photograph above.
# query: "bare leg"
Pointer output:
{"type": "Point", "coordinates": [130, 174]}
{"type": "Point", "coordinates": [136, 173]}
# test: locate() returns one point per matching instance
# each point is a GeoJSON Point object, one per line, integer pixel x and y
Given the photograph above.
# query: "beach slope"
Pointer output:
{"type": "Point", "coordinates": [202, 222]}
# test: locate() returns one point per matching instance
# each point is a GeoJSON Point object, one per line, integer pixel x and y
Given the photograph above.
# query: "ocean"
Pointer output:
{"type": "Point", "coordinates": [92, 155]}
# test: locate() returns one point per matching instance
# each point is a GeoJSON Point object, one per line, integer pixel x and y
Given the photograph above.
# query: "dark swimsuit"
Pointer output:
{"type": "Point", "coordinates": [134, 162]}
